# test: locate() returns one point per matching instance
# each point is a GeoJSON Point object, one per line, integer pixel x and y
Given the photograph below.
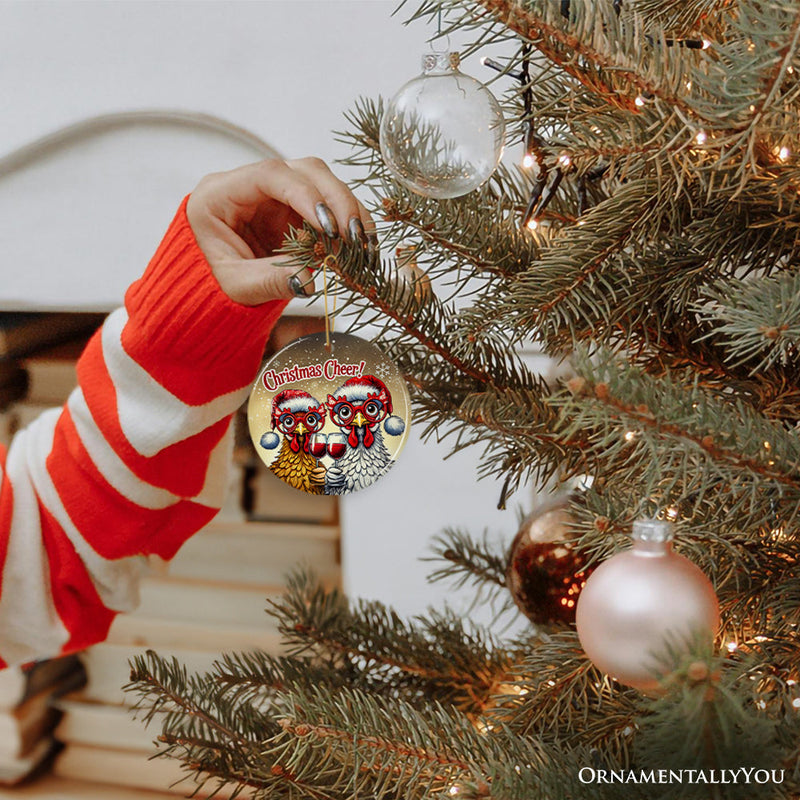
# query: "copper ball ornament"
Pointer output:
{"type": "Point", "coordinates": [545, 573]}
{"type": "Point", "coordinates": [642, 601]}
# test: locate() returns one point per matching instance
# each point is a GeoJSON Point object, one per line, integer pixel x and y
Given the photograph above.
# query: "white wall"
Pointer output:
{"type": "Point", "coordinates": [83, 222]}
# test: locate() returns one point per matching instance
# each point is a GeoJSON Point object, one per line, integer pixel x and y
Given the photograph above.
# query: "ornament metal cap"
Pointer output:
{"type": "Point", "coordinates": [653, 530]}
{"type": "Point", "coordinates": [440, 62]}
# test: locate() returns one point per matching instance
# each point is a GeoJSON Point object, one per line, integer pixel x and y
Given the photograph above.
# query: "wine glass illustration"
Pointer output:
{"type": "Point", "coordinates": [337, 445]}
{"type": "Point", "coordinates": [317, 445]}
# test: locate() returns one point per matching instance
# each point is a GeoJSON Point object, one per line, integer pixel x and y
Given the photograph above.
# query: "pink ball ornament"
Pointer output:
{"type": "Point", "coordinates": [639, 602]}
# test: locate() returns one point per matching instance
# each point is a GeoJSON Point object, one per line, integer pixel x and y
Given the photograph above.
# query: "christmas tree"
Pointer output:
{"type": "Point", "coordinates": [648, 236]}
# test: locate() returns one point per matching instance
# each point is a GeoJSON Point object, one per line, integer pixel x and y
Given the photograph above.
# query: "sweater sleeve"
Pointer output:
{"type": "Point", "coordinates": [134, 463]}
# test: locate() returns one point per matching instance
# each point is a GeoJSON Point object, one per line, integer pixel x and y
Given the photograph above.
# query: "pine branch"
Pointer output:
{"type": "Point", "coordinates": [747, 554]}
{"type": "Point", "coordinates": [430, 343]}
{"type": "Point", "coordinates": [558, 697]}
{"type": "Point", "coordinates": [758, 321]}
{"type": "Point", "coordinates": [545, 295]}
{"type": "Point", "coordinates": [657, 429]}
{"type": "Point", "coordinates": [773, 61]}
{"type": "Point", "coordinates": [400, 749]}
{"type": "Point", "coordinates": [685, 19]}
{"type": "Point", "coordinates": [358, 275]}
{"type": "Point", "coordinates": [703, 724]}
{"type": "Point", "coordinates": [464, 561]}
{"type": "Point", "coordinates": [761, 601]}
{"type": "Point", "coordinates": [253, 676]}
{"type": "Point", "coordinates": [436, 657]}
{"type": "Point", "coordinates": [607, 73]}
{"type": "Point", "coordinates": [451, 227]}
{"type": "Point", "coordinates": [467, 559]}
{"type": "Point", "coordinates": [643, 417]}
{"type": "Point", "coordinates": [652, 303]}
{"type": "Point", "coordinates": [521, 438]}
{"type": "Point", "coordinates": [213, 735]}
{"type": "Point", "coordinates": [165, 686]}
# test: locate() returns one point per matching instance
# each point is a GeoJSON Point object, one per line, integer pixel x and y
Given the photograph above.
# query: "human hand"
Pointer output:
{"type": "Point", "coordinates": [239, 219]}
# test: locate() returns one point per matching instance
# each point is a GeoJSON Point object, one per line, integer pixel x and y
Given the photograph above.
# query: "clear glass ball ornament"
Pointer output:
{"type": "Point", "coordinates": [442, 133]}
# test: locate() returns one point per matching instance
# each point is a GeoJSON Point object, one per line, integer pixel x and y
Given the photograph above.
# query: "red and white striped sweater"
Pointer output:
{"type": "Point", "coordinates": [136, 461]}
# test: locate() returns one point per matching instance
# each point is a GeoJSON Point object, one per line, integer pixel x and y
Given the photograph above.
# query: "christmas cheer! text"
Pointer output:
{"type": "Point", "coordinates": [330, 370]}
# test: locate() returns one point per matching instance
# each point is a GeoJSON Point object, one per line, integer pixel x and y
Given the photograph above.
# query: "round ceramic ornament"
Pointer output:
{"type": "Point", "coordinates": [329, 420]}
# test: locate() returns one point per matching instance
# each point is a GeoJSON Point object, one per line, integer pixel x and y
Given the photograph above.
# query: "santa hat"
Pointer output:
{"type": "Point", "coordinates": [297, 400]}
{"type": "Point", "coordinates": [371, 386]}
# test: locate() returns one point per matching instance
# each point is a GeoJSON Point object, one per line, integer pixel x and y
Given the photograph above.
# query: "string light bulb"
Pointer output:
{"type": "Point", "coordinates": [532, 224]}
{"type": "Point", "coordinates": [639, 101]}
{"type": "Point", "coordinates": [701, 138]}
{"type": "Point", "coordinates": [527, 161]}
{"type": "Point", "coordinates": [564, 159]}
{"type": "Point", "coordinates": [784, 153]}
{"type": "Point", "coordinates": [513, 688]}
{"type": "Point", "coordinates": [706, 44]}
{"type": "Point", "coordinates": [778, 533]}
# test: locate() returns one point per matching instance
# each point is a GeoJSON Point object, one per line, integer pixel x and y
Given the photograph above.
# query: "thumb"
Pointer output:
{"type": "Point", "coordinates": [253, 281]}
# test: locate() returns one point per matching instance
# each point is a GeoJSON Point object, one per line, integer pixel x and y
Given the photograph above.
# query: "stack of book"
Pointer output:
{"type": "Point", "coordinates": [28, 695]}
{"type": "Point", "coordinates": [38, 352]}
{"type": "Point", "coordinates": [208, 600]}
{"type": "Point", "coordinates": [13, 384]}
{"type": "Point", "coordinates": [28, 713]}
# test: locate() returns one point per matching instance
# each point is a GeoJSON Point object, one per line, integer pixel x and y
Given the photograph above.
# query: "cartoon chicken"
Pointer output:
{"type": "Point", "coordinates": [297, 415]}
{"type": "Point", "coordinates": [358, 407]}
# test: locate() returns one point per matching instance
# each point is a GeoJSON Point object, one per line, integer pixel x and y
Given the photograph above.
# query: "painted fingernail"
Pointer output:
{"type": "Point", "coordinates": [298, 288]}
{"type": "Point", "coordinates": [357, 232]}
{"type": "Point", "coordinates": [327, 220]}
